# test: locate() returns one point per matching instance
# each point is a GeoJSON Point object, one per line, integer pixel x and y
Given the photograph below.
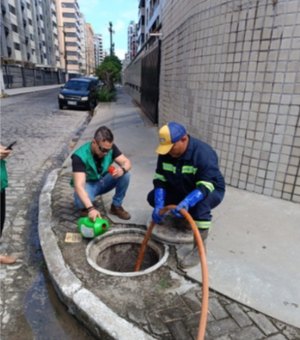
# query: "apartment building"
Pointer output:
{"type": "Point", "coordinates": [89, 49]}
{"type": "Point", "coordinates": [150, 20]}
{"type": "Point", "coordinates": [69, 34]}
{"type": "Point", "coordinates": [50, 32]}
{"type": "Point", "coordinates": [141, 25]}
{"type": "Point", "coordinates": [25, 37]}
{"type": "Point", "coordinates": [82, 61]}
{"type": "Point", "coordinates": [132, 40]}
{"type": "Point", "coordinates": [98, 47]}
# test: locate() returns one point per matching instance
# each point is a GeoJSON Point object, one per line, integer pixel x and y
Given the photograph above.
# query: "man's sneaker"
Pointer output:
{"type": "Point", "coordinates": [191, 259]}
{"type": "Point", "coordinates": [120, 212]}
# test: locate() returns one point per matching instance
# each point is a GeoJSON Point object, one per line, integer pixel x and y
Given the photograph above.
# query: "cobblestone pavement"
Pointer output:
{"type": "Point", "coordinates": [164, 304]}
{"type": "Point", "coordinates": [44, 137]}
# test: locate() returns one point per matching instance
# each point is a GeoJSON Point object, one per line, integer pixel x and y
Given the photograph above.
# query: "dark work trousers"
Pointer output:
{"type": "Point", "coordinates": [2, 211]}
{"type": "Point", "coordinates": [201, 211]}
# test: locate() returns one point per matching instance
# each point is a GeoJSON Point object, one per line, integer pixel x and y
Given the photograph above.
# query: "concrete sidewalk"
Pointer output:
{"type": "Point", "coordinates": [22, 90]}
{"type": "Point", "coordinates": [253, 248]}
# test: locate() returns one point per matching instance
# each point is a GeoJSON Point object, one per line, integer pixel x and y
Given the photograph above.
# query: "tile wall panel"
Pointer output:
{"type": "Point", "coordinates": [231, 73]}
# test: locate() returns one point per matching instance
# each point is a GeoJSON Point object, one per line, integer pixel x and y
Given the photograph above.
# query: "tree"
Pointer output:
{"type": "Point", "coordinates": [109, 71]}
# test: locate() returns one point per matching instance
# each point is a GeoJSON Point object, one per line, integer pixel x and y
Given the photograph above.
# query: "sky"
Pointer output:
{"type": "Point", "coordinates": [120, 12]}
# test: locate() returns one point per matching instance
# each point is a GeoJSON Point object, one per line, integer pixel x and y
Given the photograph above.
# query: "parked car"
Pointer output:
{"type": "Point", "coordinates": [78, 93]}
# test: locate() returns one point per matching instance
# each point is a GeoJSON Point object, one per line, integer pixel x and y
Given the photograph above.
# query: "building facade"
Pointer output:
{"type": "Point", "coordinates": [45, 41]}
{"type": "Point", "coordinates": [29, 33]}
{"type": "Point", "coordinates": [98, 48]}
{"type": "Point", "coordinates": [132, 40]}
{"type": "Point", "coordinates": [89, 50]}
{"type": "Point", "coordinates": [68, 18]}
{"type": "Point", "coordinates": [141, 25]}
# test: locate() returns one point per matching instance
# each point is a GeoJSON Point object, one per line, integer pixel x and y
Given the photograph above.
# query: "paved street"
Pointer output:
{"type": "Point", "coordinates": [44, 137]}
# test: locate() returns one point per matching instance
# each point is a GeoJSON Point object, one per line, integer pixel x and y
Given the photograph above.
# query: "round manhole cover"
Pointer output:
{"type": "Point", "coordinates": [173, 231]}
{"type": "Point", "coordinates": [116, 251]}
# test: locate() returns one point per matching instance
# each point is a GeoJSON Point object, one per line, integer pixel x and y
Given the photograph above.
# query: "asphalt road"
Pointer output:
{"type": "Point", "coordinates": [29, 308]}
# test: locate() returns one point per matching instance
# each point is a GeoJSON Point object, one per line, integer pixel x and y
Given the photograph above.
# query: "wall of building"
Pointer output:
{"type": "Point", "coordinates": [132, 79]}
{"type": "Point", "coordinates": [230, 71]}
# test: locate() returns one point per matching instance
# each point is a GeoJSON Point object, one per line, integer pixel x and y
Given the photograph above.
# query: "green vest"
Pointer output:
{"type": "Point", "coordinates": [3, 174]}
{"type": "Point", "coordinates": [85, 154]}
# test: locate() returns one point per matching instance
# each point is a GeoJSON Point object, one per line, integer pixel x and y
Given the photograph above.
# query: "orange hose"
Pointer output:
{"type": "Point", "coordinates": [141, 255]}
{"type": "Point", "coordinates": [202, 255]}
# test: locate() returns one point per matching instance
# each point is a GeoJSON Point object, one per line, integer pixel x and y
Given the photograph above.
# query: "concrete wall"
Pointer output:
{"type": "Point", "coordinates": [230, 72]}
{"type": "Point", "coordinates": [132, 79]}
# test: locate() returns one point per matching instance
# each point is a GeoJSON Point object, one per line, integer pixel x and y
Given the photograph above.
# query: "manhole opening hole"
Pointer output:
{"type": "Point", "coordinates": [122, 257]}
{"type": "Point", "coordinates": [116, 253]}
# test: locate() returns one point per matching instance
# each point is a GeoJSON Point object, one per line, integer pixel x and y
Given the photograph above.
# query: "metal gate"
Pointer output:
{"type": "Point", "coordinates": [15, 76]}
{"type": "Point", "coordinates": [150, 83]}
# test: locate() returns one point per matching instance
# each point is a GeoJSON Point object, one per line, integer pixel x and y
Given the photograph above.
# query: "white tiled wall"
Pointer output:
{"type": "Point", "coordinates": [230, 72]}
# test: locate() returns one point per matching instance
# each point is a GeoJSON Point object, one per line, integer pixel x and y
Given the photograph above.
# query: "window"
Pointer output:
{"type": "Point", "coordinates": [71, 44]}
{"type": "Point", "coordinates": [67, 5]}
{"type": "Point", "coordinates": [69, 24]}
{"type": "Point", "coordinates": [12, 9]}
{"type": "Point", "coordinates": [14, 28]}
{"type": "Point", "coordinates": [17, 46]}
{"type": "Point", "coordinates": [68, 15]}
{"type": "Point", "coordinates": [72, 53]}
{"type": "Point", "coordinates": [3, 9]}
{"type": "Point", "coordinates": [71, 35]}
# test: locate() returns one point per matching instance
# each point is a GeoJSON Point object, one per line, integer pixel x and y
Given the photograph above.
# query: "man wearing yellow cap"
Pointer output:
{"type": "Point", "coordinates": [187, 175]}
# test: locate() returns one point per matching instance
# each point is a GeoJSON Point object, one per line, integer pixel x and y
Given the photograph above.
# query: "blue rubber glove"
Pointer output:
{"type": "Point", "coordinates": [188, 202]}
{"type": "Point", "coordinates": [159, 203]}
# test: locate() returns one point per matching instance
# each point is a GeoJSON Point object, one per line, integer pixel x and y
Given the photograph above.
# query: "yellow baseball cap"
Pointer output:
{"type": "Point", "coordinates": [169, 134]}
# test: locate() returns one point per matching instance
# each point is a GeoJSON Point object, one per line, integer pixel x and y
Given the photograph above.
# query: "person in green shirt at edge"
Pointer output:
{"type": "Point", "coordinates": [4, 259]}
{"type": "Point", "coordinates": [93, 175]}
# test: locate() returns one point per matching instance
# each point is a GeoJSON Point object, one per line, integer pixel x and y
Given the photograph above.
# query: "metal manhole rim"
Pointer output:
{"type": "Point", "coordinates": [116, 231]}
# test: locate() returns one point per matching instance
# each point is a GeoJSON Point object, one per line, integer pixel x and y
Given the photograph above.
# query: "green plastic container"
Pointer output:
{"type": "Point", "coordinates": [90, 229]}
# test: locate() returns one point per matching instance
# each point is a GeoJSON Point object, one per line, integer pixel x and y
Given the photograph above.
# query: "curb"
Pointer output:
{"type": "Point", "coordinates": [88, 308]}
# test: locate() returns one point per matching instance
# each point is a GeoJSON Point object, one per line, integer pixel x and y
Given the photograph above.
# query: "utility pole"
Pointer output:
{"type": "Point", "coordinates": [111, 31]}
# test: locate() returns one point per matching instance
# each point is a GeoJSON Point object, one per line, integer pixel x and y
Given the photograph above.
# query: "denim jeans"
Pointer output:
{"type": "Point", "coordinates": [104, 185]}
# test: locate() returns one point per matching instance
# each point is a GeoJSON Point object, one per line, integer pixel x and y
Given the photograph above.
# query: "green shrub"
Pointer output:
{"type": "Point", "coordinates": [104, 95]}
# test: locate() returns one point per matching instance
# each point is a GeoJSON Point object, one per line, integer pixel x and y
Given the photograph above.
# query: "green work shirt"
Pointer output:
{"type": "Point", "coordinates": [3, 174]}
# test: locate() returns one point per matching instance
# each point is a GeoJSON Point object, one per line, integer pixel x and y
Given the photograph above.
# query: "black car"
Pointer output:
{"type": "Point", "coordinates": [78, 93]}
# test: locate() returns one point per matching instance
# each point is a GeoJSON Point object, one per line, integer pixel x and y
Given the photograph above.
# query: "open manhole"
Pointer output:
{"type": "Point", "coordinates": [116, 251]}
